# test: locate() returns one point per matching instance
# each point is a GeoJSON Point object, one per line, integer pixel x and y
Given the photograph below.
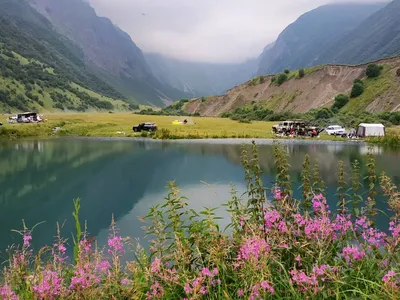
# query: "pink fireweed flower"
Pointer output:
{"type": "Point", "coordinates": [362, 223]}
{"type": "Point", "coordinates": [156, 265]}
{"type": "Point", "coordinates": [374, 237]}
{"type": "Point", "coordinates": [207, 272]}
{"type": "Point", "coordinates": [298, 259]}
{"type": "Point", "coordinates": [62, 248]}
{"type": "Point", "coordinates": [352, 254]}
{"type": "Point", "coordinates": [319, 228]}
{"type": "Point", "coordinates": [115, 245]}
{"type": "Point", "coordinates": [320, 205]}
{"type": "Point", "coordinates": [240, 292]}
{"type": "Point", "coordinates": [49, 287]}
{"type": "Point", "coordinates": [390, 280]}
{"type": "Point", "coordinates": [85, 246]}
{"type": "Point", "coordinates": [342, 224]}
{"type": "Point", "coordinates": [156, 291]}
{"type": "Point", "coordinates": [6, 293]}
{"type": "Point", "coordinates": [271, 218]}
{"type": "Point", "coordinates": [125, 281]}
{"type": "Point", "coordinates": [267, 287]}
{"type": "Point", "coordinates": [277, 193]}
{"type": "Point", "coordinates": [395, 231]}
{"type": "Point", "coordinates": [187, 288]}
{"type": "Point", "coordinates": [27, 240]}
{"type": "Point", "coordinates": [203, 290]}
{"type": "Point", "coordinates": [253, 249]}
{"type": "Point", "coordinates": [103, 266]}
{"type": "Point", "coordinates": [83, 278]}
{"type": "Point", "coordinates": [241, 219]}
{"type": "Point", "coordinates": [310, 282]}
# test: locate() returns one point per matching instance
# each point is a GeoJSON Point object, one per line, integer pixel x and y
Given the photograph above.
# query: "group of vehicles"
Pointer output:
{"type": "Point", "coordinates": [301, 128]}
{"type": "Point", "coordinates": [27, 117]}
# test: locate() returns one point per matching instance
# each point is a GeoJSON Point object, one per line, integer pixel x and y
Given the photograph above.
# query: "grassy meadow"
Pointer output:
{"type": "Point", "coordinates": [120, 125]}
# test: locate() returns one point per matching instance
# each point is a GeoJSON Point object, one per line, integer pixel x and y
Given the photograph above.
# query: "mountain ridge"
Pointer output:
{"type": "Point", "coordinates": [302, 42]}
{"type": "Point", "coordinates": [317, 89]}
{"type": "Point", "coordinates": [109, 52]}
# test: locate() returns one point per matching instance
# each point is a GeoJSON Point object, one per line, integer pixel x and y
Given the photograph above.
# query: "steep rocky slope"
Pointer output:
{"type": "Point", "coordinates": [108, 51]}
{"type": "Point", "coordinates": [311, 35]}
{"type": "Point", "coordinates": [377, 37]}
{"type": "Point", "coordinates": [317, 89]}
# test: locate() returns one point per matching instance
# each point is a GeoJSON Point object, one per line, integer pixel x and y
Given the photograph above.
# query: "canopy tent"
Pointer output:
{"type": "Point", "coordinates": [365, 130]}
{"type": "Point", "coordinates": [181, 121]}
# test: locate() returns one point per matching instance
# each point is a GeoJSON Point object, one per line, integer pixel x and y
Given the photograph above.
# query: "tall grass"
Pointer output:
{"type": "Point", "coordinates": [275, 247]}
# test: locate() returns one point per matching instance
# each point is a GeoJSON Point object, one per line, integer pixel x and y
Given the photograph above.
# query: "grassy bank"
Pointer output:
{"type": "Point", "coordinates": [120, 124]}
{"type": "Point", "coordinates": [276, 247]}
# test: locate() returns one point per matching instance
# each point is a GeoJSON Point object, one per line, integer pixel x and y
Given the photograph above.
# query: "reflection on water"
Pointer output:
{"type": "Point", "coordinates": [39, 179]}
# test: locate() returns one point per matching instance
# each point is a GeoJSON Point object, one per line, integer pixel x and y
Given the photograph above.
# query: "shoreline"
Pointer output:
{"type": "Point", "coordinates": [230, 141]}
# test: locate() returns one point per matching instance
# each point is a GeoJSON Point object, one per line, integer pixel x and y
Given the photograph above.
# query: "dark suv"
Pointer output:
{"type": "Point", "coordinates": [145, 127]}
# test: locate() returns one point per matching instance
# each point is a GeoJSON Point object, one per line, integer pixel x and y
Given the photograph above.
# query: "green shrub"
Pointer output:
{"type": "Point", "coordinates": [373, 70]}
{"type": "Point", "coordinates": [286, 71]}
{"type": "Point", "coordinates": [357, 90]}
{"type": "Point", "coordinates": [340, 101]}
{"type": "Point", "coordinates": [324, 113]}
{"type": "Point", "coordinates": [262, 79]}
{"type": "Point", "coordinates": [301, 73]}
{"type": "Point", "coordinates": [282, 78]}
{"type": "Point", "coordinates": [358, 81]}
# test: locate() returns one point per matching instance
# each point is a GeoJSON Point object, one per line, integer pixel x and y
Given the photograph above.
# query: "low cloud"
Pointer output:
{"type": "Point", "coordinates": [207, 30]}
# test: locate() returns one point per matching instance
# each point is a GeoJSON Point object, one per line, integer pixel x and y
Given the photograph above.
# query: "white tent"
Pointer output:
{"type": "Point", "coordinates": [365, 130]}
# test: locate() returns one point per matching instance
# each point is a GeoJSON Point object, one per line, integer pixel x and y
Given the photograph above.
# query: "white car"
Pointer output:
{"type": "Point", "coordinates": [336, 130]}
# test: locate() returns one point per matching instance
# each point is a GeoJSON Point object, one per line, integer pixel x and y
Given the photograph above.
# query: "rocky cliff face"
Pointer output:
{"type": "Point", "coordinates": [302, 43]}
{"type": "Point", "coordinates": [376, 37]}
{"type": "Point", "coordinates": [107, 49]}
{"type": "Point", "coordinates": [317, 89]}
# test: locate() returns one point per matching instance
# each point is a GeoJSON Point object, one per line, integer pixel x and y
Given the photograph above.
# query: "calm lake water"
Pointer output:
{"type": "Point", "coordinates": [39, 180]}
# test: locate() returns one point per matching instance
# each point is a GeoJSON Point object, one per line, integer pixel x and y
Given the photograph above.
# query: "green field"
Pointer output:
{"type": "Point", "coordinates": [120, 125]}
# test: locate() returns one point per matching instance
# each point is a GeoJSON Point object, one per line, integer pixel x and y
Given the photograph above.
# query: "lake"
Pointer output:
{"type": "Point", "coordinates": [39, 179]}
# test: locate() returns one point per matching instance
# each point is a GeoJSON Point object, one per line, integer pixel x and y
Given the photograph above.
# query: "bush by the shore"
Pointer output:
{"type": "Point", "coordinates": [276, 247]}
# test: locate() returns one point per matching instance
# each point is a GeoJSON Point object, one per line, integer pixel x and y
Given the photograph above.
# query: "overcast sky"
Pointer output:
{"type": "Point", "coordinates": [205, 30]}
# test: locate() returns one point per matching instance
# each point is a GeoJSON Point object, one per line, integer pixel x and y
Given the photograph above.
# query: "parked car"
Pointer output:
{"type": "Point", "coordinates": [336, 130]}
{"type": "Point", "coordinates": [145, 127]}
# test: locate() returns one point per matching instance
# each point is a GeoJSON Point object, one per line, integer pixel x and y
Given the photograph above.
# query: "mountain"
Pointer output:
{"type": "Point", "coordinates": [302, 43]}
{"type": "Point", "coordinates": [39, 69]}
{"type": "Point", "coordinates": [376, 37]}
{"type": "Point", "coordinates": [200, 79]}
{"type": "Point", "coordinates": [108, 51]}
{"type": "Point", "coordinates": [317, 89]}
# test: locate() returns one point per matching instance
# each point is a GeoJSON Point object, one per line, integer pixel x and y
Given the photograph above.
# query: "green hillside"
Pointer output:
{"type": "Point", "coordinates": [28, 33]}
{"type": "Point", "coordinates": [28, 84]}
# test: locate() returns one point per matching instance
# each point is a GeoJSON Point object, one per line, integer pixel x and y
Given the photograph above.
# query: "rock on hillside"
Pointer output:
{"type": "Point", "coordinates": [311, 35]}
{"type": "Point", "coordinates": [317, 89]}
{"type": "Point", "coordinates": [108, 50]}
